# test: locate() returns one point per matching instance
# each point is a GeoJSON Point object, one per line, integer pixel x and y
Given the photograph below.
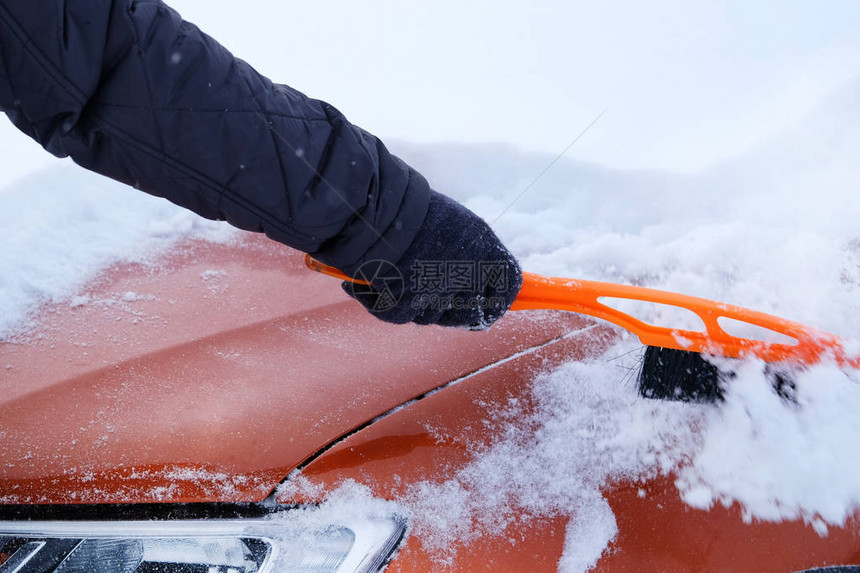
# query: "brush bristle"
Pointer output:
{"type": "Point", "coordinates": [670, 374]}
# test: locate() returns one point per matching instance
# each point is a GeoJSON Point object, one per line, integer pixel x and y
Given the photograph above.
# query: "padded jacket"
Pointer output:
{"type": "Point", "coordinates": [130, 90]}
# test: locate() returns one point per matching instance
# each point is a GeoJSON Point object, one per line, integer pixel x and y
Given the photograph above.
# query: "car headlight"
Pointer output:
{"type": "Point", "coordinates": [273, 544]}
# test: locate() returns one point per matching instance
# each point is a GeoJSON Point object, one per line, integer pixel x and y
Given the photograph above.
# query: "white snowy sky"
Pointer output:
{"type": "Point", "coordinates": [688, 83]}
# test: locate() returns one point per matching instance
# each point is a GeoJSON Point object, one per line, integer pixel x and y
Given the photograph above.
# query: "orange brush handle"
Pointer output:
{"type": "Point", "coordinates": [325, 269]}
{"type": "Point", "coordinates": [582, 296]}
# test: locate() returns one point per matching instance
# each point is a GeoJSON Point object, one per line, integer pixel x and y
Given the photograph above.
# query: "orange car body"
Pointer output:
{"type": "Point", "coordinates": [213, 373]}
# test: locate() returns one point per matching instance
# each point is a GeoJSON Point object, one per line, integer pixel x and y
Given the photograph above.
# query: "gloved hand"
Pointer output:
{"type": "Point", "coordinates": [455, 273]}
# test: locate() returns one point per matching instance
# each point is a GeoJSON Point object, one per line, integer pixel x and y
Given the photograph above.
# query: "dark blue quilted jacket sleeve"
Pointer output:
{"type": "Point", "coordinates": [128, 89]}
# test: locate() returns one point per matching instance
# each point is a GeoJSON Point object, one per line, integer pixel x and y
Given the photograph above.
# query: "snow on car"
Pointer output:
{"type": "Point", "coordinates": [177, 396]}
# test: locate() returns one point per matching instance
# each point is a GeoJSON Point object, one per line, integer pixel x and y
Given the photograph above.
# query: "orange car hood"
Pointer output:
{"type": "Point", "coordinates": [211, 373]}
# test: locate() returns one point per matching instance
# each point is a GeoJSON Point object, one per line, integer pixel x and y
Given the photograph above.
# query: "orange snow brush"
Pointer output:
{"type": "Point", "coordinates": [675, 353]}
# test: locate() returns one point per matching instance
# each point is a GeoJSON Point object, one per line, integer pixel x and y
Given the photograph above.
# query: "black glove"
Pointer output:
{"type": "Point", "coordinates": [455, 273]}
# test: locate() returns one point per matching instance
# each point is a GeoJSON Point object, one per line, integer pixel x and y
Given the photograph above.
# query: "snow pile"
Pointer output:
{"type": "Point", "coordinates": [63, 225]}
{"type": "Point", "coordinates": [586, 426]}
{"type": "Point", "coordinates": [776, 231]}
{"type": "Point", "coordinates": [782, 459]}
